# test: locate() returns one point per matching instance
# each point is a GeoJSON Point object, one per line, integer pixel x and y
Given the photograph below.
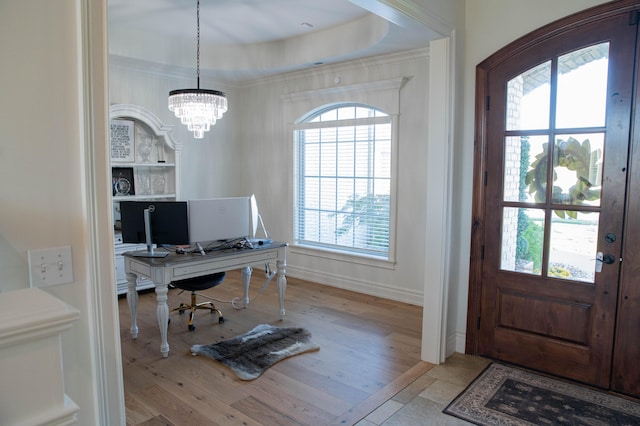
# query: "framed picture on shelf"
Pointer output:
{"type": "Point", "coordinates": [122, 181]}
{"type": "Point", "coordinates": [122, 141]}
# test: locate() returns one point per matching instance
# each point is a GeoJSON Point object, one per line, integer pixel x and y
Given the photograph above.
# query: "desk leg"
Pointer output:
{"type": "Point", "coordinates": [162, 311]}
{"type": "Point", "coordinates": [132, 300]}
{"type": "Point", "coordinates": [246, 280]}
{"type": "Point", "coordinates": [282, 284]}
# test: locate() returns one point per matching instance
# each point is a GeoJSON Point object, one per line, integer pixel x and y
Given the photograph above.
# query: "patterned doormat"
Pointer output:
{"type": "Point", "coordinates": [503, 395]}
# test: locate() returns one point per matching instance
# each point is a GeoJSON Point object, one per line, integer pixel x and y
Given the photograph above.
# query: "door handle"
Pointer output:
{"type": "Point", "coordinates": [603, 258]}
{"type": "Point", "coordinates": [599, 261]}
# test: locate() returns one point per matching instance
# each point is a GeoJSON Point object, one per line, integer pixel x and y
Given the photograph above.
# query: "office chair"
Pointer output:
{"type": "Point", "coordinates": [194, 285]}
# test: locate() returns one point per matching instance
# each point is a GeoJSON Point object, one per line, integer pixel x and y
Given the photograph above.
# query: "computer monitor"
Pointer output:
{"type": "Point", "coordinates": [255, 216]}
{"type": "Point", "coordinates": [219, 219]}
{"type": "Point", "coordinates": [154, 222]}
{"type": "Point", "coordinates": [256, 220]}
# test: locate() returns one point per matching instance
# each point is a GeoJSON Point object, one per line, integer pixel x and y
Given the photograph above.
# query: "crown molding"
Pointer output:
{"type": "Point", "coordinates": [346, 66]}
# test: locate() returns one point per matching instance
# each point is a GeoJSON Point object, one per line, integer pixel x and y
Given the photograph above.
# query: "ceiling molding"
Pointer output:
{"type": "Point", "coordinates": [374, 86]}
{"type": "Point", "coordinates": [346, 66]}
{"type": "Point", "coordinates": [219, 79]}
{"type": "Point", "coordinates": [408, 14]}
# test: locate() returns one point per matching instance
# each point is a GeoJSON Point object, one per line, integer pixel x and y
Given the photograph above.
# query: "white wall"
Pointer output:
{"type": "Point", "coordinates": [47, 197]}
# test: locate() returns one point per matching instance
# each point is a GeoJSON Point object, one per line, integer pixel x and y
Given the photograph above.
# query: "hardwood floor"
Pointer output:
{"type": "Point", "coordinates": [369, 351]}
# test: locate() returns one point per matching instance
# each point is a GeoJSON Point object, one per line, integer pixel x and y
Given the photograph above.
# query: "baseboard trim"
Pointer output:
{"type": "Point", "coordinates": [364, 287]}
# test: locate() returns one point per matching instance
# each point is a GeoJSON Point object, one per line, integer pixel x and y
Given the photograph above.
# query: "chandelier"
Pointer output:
{"type": "Point", "coordinates": [198, 108]}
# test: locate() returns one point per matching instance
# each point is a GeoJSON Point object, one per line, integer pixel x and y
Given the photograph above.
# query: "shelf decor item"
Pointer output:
{"type": "Point", "coordinates": [144, 147]}
{"type": "Point", "coordinates": [198, 108]}
{"type": "Point", "coordinates": [143, 182]}
{"type": "Point", "coordinates": [122, 181]}
{"type": "Point", "coordinates": [158, 183]}
{"type": "Point", "coordinates": [122, 142]}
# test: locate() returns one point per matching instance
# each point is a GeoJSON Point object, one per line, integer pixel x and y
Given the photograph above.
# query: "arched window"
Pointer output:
{"type": "Point", "coordinates": [343, 179]}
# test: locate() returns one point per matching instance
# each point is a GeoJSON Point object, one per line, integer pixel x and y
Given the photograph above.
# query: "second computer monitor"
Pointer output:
{"type": "Point", "coordinates": [168, 222]}
{"type": "Point", "coordinates": [219, 219]}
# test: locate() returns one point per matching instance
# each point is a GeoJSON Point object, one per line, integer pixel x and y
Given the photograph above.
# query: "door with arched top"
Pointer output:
{"type": "Point", "coordinates": [552, 203]}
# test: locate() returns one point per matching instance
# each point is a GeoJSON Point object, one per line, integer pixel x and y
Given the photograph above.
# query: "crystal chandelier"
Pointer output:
{"type": "Point", "coordinates": [198, 108]}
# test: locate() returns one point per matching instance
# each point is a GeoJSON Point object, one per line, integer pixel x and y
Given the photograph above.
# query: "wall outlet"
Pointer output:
{"type": "Point", "coordinates": [50, 266]}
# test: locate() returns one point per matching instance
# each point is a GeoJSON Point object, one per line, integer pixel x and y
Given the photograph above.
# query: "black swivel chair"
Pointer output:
{"type": "Point", "coordinates": [194, 285]}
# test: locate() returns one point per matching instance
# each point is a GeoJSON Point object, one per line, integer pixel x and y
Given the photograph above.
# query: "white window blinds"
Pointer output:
{"type": "Point", "coordinates": [343, 179]}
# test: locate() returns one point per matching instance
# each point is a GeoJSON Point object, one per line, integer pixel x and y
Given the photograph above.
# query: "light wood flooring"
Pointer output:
{"type": "Point", "coordinates": [368, 366]}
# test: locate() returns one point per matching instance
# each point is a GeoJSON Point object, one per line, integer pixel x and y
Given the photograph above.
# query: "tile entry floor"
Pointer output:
{"type": "Point", "coordinates": [422, 402]}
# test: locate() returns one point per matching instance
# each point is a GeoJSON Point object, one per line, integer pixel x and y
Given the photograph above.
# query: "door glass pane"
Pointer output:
{"type": "Point", "coordinates": [525, 168]}
{"type": "Point", "coordinates": [573, 245]}
{"type": "Point", "coordinates": [528, 99]}
{"type": "Point", "coordinates": [582, 87]}
{"type": "Point", "coordinates": [577, 169]}
{"type": "Point", "coordinates": [522, 240]}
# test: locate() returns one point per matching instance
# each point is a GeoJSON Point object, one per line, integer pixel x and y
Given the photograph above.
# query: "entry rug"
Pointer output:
{"type": "Point", "coordinates": [503, 395]}
{"type": "Point", "coordinates": [251, 354]}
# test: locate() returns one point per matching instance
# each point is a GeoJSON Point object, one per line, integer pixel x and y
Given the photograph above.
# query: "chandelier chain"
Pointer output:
{"type": "Point", "coordinates": [198, 43]}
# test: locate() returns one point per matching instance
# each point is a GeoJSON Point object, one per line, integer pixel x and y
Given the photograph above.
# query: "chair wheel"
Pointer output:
{"type": "Point", "coordinates": [192, 327]}
{"type": "Point", "coordinates": [220, 320]}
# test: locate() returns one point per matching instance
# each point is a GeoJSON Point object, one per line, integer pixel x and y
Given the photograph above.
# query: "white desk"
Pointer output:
{"type": "Point", "coordinates": [162, 271]}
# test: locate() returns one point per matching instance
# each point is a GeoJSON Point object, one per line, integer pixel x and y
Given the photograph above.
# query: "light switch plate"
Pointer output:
{"type": "Point", "coordinates": [50, 266]}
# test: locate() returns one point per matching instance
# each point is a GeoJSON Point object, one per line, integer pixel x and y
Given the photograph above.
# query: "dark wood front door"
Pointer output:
{"type": "Point", "coordinates": [552, 207]}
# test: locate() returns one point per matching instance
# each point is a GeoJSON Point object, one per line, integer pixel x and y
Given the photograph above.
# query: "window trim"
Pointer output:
{"type": "Point", "coordinates": [348, 123]}
{"type": "Point", "coordinates": [354, 258]}
{"type": "Point", "coordinates": [383, 95]}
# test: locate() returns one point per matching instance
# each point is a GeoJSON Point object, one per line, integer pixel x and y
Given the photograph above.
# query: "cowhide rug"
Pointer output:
{"type": "Point", "coordinates": [251, 354]}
